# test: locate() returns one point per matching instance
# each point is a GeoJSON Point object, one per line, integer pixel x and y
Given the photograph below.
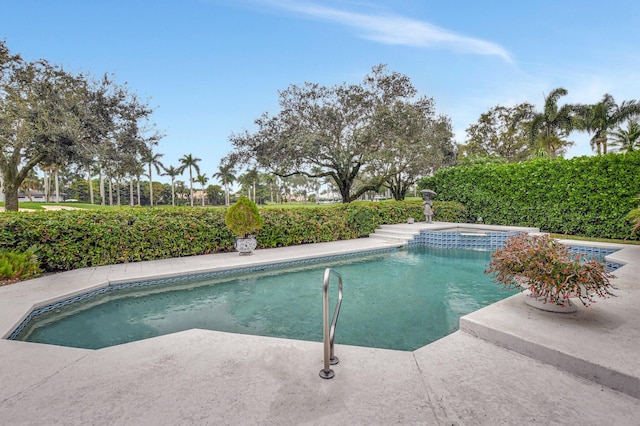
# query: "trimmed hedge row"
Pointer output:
{"type": "Point", "coordinates": [586, 196]}
{"type": "Point", "coordinates": [70, 239]}
{"type": "Point", "coordinates": [80, 238]}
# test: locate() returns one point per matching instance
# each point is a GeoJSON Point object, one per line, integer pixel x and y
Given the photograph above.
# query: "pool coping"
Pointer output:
{"type": "Point", "coordinates": [503, 325]}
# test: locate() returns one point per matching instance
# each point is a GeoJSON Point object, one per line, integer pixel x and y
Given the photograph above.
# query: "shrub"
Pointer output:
{"type": "Point", "coordinates": [547, 268]}
{"type": "Point", "coordinates": [292, 226]}
{"type": "Point", "coordinates": [70, 239]}
{"type": "Point", "coordinates": [20, 265]}
{"type": "Point", "coordinates": [449, 211]}
{"type": "Point", "coordinates": [243, 218]}
{"type": "Point", "coordinates": [586, 196]}
{"type": "Point", "coordinates": [634, 217]}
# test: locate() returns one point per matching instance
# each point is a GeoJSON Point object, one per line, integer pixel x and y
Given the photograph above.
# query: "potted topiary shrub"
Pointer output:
{"type": "Point", "coordinates": [547, 272]}
{"type": "Point", "coordinates": [243, 219]}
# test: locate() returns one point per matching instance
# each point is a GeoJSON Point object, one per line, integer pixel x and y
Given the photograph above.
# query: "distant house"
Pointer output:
{"type": "Point", "coordinates": [39, 197]}
{"type": "Point", "coordinates": [36, 196]}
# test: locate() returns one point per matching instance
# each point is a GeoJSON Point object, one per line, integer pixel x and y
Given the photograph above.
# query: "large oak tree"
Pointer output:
{"type": "Point", "coordinates": [413, 142]}
{"type": "Point", "coordinates": [327, 132]}
{"type": "Point", "coordinates": [51, 117]}
{"type": "Point", "coordinates": [40, 112]}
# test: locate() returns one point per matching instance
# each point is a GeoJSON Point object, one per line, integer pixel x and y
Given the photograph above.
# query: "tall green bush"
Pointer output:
{"type": "Point", "coordinates": [243, 218]}
{"type": "Point", "coordinates": [586, 196]}
{"type": "Point", "coordinates": [21, 265]}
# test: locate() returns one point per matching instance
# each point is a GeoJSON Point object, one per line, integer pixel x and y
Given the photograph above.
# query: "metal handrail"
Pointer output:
{"type": "Point", "coordinates": [329, 332]}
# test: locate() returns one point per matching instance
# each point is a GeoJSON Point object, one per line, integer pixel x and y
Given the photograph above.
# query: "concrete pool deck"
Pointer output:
{"type": "Point", "coordinates": [508, 364]}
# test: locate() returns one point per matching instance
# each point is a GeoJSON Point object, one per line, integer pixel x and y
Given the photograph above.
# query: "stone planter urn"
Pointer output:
{"type": "Point", "coordinates": [245, 246]}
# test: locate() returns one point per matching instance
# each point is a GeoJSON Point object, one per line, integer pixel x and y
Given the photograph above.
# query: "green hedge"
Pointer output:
{"type": "Point", "coordinates": [80, 238]}
{"type": "Point", "coordinates": [585, 196]}
{"type": "Point", "coordinates": [70, 239]}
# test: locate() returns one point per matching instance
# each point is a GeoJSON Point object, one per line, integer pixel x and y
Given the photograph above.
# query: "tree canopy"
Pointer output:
{"type": "Point", "coordinates": [413, 142]}
{"type": "Point", "coordinates": [499, 134]}
{"type": "Point", "coordinates": [49, 116]}
{"type": "Point", "coordinates": [338, 132]}
{"type": "Point", "coordinates": [518, 133]}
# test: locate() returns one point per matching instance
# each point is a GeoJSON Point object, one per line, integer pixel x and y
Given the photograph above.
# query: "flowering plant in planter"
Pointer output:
{"type": "Point", "coordinates": [548, 270]}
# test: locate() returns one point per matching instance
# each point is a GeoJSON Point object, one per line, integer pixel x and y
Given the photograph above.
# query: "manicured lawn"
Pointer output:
{"type": "Point", "coordinates": [292, 205]}
{"type": "Point", "coordinates": [303, 205]}
{"type": "Point", "coordinates": [39, 206]}
{"type": "Point", "coordinates": [597, 240]}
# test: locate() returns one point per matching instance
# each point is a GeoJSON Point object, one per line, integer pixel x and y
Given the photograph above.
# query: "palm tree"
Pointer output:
{"type": "Point", "coordinates": [89, 167]}
{"type": "Point", "coordinates": [600, 118]}
{"type": "Point", "coordinates": [251, 178]}
{"type": "Point", "coordinates": [180, 189]}
{"type": "Point", "coordinates": [202, 180]}
{"type": "Point", "coordinates": [138, 171]}
{"type": "Point", "coordinates": [248, 182]}
{"type": "Point", "coordinates": [152, 159]}
{"type": "Point", "coordinates": [131, 204]}
{"type": "Point", "coordinates": [269, 180]}
{"type": "Point", "coordinates": [627, 140]}
{"type": "Point", "coordinates": [172, 172]}
{"type": "Point", "coordinates": [225, 175]}
{"type": "Point", "coordinates": [192, 163]}
{"type": "Point", "coordinates": [549, 128]}
{"type": "Point", "coordinates": [52, 170]}
{"type": "Point", "coordinates": [56, 176]}
{"type": "Point", "coordinates": [30, 183]}
{"type": "Point", "coordinates": [129, 166]}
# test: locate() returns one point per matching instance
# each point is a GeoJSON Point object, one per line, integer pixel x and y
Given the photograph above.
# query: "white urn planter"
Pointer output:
{"type": "Point", "coordinates": [539, 303]}
{"type": "Point", "coordinates": [245, 245]}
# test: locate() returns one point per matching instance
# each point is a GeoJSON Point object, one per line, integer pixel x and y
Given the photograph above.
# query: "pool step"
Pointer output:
{"type": "Point", "coordinates": [391, 234]}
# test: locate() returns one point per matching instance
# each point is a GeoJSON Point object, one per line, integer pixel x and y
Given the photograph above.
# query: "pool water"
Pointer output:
{"type": "Point", "coordinates": [400, 300]}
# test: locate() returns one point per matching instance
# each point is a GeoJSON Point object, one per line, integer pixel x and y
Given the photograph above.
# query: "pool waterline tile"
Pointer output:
{"type": "Point", "coordinates": [187, 277]}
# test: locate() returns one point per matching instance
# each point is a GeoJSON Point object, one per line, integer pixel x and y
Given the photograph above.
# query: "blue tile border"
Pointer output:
{"type": "Point", "coordinates": [205, 275]}
{"type": "Point", "coordinates": [597, 253]}
{"type": "Point", "coordinates": [483, 240]}
{"type": "Point", "coordinates": [489, 241]}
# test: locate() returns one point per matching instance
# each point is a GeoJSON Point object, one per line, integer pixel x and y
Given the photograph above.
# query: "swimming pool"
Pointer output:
{"type": "Point", "coordinates": [401, 299]}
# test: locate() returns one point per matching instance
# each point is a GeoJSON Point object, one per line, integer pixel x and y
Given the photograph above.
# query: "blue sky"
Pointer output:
{"type": "Point", "coordinates": [211, 67]}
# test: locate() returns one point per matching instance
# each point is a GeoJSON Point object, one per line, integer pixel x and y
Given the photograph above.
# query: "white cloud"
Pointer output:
{"type": "Point", "coordinates": [397, 30]}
